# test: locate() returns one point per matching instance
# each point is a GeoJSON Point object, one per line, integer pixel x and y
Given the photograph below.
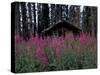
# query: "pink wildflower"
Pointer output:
{"type": "Point", "coordinates": [18, 39]}
{"type": "Point", "coordinates": [84, 39]}
{"type": "Point", "coordinates": [41, 55]}
{"type": "Point", "coordinates": [78, 50]}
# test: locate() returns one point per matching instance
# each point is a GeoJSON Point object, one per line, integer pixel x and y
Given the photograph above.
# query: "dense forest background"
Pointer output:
{"type": "Point", "coordinates": [35, 17]}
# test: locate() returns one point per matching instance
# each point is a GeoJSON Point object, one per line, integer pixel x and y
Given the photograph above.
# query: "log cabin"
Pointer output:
{"type": "Point", "coordinates": [61, 28]}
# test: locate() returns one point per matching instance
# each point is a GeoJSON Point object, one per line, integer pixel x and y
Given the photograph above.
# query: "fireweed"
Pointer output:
{"type": "Point", "coordinates": [79, 45]}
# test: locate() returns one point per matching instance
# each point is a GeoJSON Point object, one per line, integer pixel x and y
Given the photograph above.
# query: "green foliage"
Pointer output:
{"type": "Point", "coordinates": [73, 54]}
{"type": "Point", "coordinates": [26, 64]}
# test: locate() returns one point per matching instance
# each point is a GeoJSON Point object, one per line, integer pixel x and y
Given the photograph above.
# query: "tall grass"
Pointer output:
{"type": "Point", "coordinates": [55, 53]}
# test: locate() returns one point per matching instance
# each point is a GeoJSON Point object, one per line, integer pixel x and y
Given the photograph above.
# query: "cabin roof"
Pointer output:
{"type": "Point", "coordinates": [62, 24]}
